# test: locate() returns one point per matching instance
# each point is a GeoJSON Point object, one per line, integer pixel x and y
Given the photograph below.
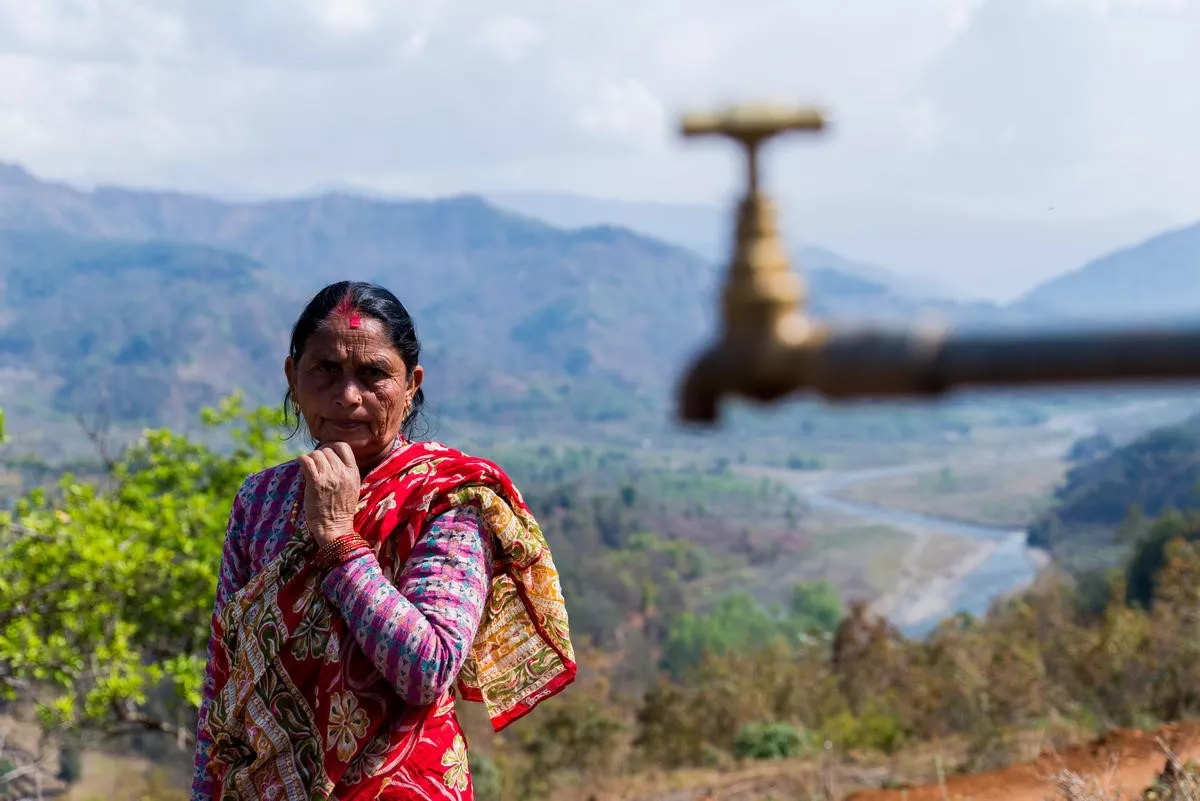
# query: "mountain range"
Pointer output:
{"type": "Point", "coordinates": [1159, 277]}
{"type": "Point", "coordinates": [928, 251]}
{"type": "Point", "coordinates": [150, 303]}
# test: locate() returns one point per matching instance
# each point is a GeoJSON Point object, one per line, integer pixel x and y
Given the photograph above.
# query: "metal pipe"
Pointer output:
{"type": "Point", "coordinates": [879, 363]}
{"type": "Point", "coordinates": [768, 349]}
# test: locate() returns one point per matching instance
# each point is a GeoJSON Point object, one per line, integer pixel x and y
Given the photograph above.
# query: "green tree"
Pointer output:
{"type": "Point", "coordinates": [815, 606]}
{"type": "Point", "coordinates": [738, 622]}
{"type": "Point", "coordinates": [768, 740]}
{"type": "Point", "coordinates": [1149, 553]}
{"type": "Point", "coordinates": [106, 592]}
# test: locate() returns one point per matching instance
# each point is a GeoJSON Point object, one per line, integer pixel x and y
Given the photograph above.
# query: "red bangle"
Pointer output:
{"type": "Point", "coordinates": [340, 550]}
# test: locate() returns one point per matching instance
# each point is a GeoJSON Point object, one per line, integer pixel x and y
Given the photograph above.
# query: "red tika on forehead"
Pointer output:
{"type": "Point", "coordinates": [346, 308]}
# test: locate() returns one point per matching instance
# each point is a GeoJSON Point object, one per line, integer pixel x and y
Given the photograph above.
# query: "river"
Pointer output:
{"type": "Point", "coordinates": [1003, 563]}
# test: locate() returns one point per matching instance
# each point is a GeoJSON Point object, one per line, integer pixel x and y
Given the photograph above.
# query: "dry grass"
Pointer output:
{"type": "Point", "coordinates": [1177, 782]}
{"type": "Point", "coordinates": [999, 495]}
{"type": "Point", "coordinates": [861, 560]}
{"type": "Point", "coordinates": [821, 779]}
{"type": "Point", "coordinates": [121, 778]}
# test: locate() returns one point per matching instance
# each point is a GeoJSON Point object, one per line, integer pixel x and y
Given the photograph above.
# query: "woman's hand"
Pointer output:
{"type": "Point", "coordinates": [331, 489]}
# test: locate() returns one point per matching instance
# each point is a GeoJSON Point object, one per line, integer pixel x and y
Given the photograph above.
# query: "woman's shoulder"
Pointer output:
{"type": "Point", "coordinates": [473, 472]}
{"type": "Point", "coordinates": [265, 485]}
{"type": "Point", "coordinates": [443, 452]}
{"type": "Point", "coordinates": [453, 463]}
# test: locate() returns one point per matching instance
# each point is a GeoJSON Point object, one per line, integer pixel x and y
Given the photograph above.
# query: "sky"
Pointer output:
{"type": "Point", "coordinates": [1072, 114]}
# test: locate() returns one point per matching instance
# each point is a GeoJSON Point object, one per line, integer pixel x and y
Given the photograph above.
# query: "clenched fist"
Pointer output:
{"type": "Point", "coordinates": [331, 488]}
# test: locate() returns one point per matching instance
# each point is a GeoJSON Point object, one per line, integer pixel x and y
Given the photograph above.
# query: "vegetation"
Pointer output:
{"type": "Point", "coordinates": [1011, 496]}
{"type": "Point", "coordinates": [107, 324]}
{"type": "Point", "coordinates": [1033, 659]}
{"type": "Point", "coordinates": [738, 623]}
{"type": "Point", "coordinates": [106, 592]}
{"type": "Point", "coordinates": [106, 587]}
{"type": "Point", "coordinates": [1154, 473]}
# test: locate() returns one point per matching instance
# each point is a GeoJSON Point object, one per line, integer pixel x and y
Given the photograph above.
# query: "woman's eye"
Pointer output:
{"type": "Point", "coordinates": [330, 367]}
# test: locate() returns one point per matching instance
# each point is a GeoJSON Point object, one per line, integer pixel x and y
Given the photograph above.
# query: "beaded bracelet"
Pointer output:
{"type": "Point", "coordinates": [339, 550]}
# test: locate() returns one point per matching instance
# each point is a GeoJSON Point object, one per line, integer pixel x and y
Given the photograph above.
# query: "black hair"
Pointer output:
{"type": "Point", "coordinates": [369, 300]}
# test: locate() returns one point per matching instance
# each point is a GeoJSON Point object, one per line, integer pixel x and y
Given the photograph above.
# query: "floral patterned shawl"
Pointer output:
{"type": "Point", "coordinates": [300, 712]}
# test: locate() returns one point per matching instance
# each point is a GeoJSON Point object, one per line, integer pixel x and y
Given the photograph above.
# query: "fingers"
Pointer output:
{"type": "Point", "coordinates": [320, 460]}
{"type": "Point", "coordinates": [315, 467]}
{"type": "Point", "coordinates": [308, 467]}
{"type": "Point", "coordinates": [344, 451]}
{"type": "Point", "coordinates": [332, 458]}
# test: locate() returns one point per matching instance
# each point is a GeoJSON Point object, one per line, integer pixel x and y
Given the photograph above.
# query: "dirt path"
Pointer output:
{"type": "Point", "coordinates": [1124, 760]}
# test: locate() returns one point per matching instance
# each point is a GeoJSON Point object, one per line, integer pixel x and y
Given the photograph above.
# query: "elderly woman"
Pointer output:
{"type": "Point", "coordinates": [365, 584]}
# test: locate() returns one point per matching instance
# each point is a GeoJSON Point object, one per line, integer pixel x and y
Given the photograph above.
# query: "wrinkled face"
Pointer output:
{"type": "Point", "coordinates": [352, 386]}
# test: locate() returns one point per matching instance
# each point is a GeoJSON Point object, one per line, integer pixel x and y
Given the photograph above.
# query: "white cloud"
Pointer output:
{"type": "Point", "coordinates": [347, 18]}
{"type": "Point", "coordinates": [923, 124]}
{"type": "Point", "coordinates": [625, 110]}
{"type": "Point", "coordinates": [988, 105]}
{"type": "Point", "coordinates": [90, 31]}
{"type": "Point", "coordinates": [509, 37]}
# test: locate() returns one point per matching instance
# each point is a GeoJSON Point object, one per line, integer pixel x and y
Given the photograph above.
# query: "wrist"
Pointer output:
{"type": "Point", "coordinates": [339, 549]}
{"type": "Point", "coordinates": [326, 531]}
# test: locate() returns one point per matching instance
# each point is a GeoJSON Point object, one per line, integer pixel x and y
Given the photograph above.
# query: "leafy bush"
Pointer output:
{"type": "Point", "coordinates": [106, 592]}
{"type": "Point", "coordinates": [739, 623]}
{"type": "Point", "coordinates": [573, 735]}
{"type": "Point", "coordinates": [768, 740]}
{"type": "Point", "coordinates": [873, 730]}
{"type": "Point", "coordinates": [485, 777]}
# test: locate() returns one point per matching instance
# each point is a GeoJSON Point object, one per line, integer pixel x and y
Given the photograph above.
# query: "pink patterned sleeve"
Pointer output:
{"type": "Point", "coordinates": [235, 572]}
{"type": "Point", "coordinates": [417, 629]}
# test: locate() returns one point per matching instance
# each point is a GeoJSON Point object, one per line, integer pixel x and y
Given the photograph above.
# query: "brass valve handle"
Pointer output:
{"type": "Point", "coordinates": [750, 126]}
{"type": "Point", "coordinates": [762, 296]}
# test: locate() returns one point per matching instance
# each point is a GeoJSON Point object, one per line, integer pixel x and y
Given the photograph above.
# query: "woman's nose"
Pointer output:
{"type": "Point", "coordinates": [350, 394]}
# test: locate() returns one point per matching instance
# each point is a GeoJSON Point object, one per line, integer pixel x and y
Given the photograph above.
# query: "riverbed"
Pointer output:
{"type": "Point", "coordinates": [1001, 564]}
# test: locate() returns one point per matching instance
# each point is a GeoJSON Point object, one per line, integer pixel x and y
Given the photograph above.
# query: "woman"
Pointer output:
{"type": "Point", "coordinates": [366, 583]}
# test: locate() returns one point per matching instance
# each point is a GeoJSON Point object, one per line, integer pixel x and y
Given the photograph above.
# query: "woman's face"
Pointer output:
{"type": "Point", "coordinates": [352, 386]}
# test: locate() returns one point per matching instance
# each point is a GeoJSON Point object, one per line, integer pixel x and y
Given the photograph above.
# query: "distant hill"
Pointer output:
{"type": "Point", "coordinates": [935, 252]}
{"type": "Point", "coordinates": [135, 330]}
{"type": "Point", "coordinates": [520, 319]}
{"type": "Point", "coordinates": [592, 323]}
{"type": "Point", "coordinates": [1159, 277]}
{"type": "Point", "coordinates": [852, 298]}
{"type": "Point", "coordinates": [1158, 471]}
{"type": "Point", "coordinates": [704, 229]}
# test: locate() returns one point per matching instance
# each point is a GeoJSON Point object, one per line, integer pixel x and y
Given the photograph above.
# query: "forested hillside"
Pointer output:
{"type": "Point", "coordinates": [1089, 521]}
{"type": "Point", "coordinates": [524, 325]}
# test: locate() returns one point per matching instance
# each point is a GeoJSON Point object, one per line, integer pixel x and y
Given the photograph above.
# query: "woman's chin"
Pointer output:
{"type": "Point", "coordinates": [367, 449]}
{"type": "Point", "coordinates": [360, 440]}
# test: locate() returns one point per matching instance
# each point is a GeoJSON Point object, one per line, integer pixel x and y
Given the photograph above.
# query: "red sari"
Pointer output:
{"type": "Point", "coordinates": [300, 712]}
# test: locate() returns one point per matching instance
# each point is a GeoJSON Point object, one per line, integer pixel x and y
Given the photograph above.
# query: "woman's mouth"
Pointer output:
{"type": "Point", "coordinates": [345, 425]}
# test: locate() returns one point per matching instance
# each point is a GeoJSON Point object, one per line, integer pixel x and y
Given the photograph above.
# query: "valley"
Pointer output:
{"type": "Point", "coordinates": [691, 559]}
{"type": "Point", "coordinates": [972, 508]}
